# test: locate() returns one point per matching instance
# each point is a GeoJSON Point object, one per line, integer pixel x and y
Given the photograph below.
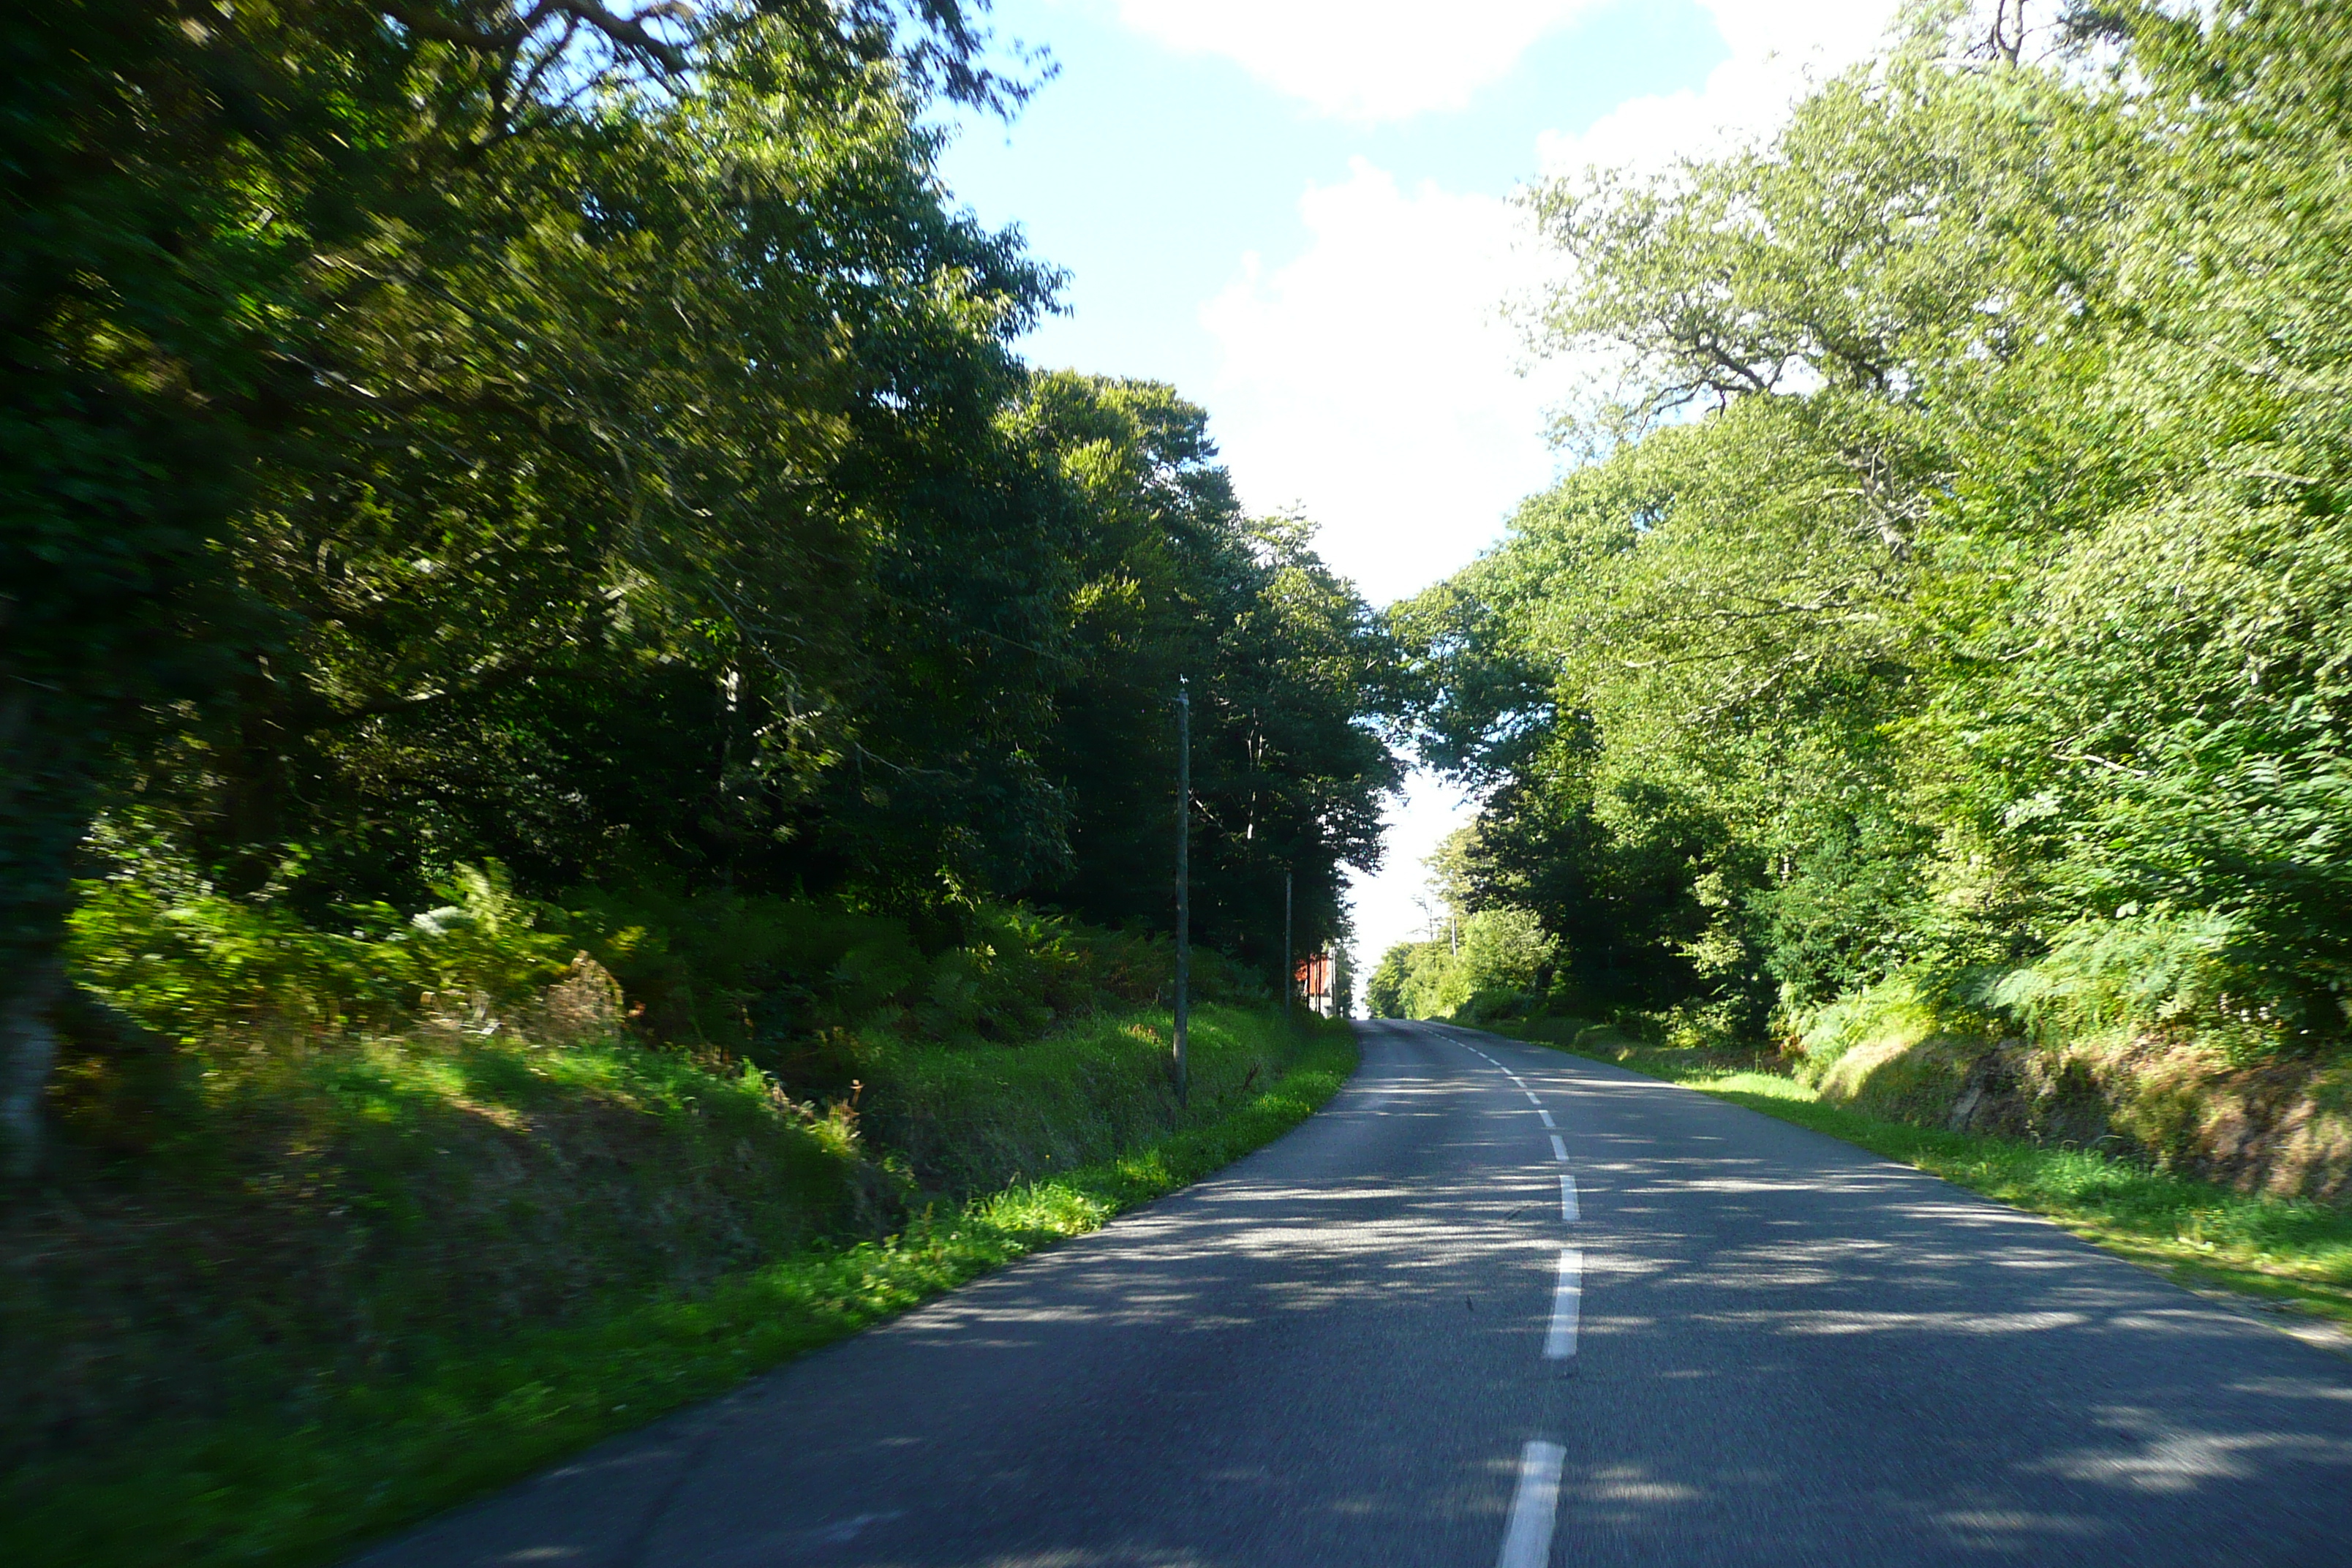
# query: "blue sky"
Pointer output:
{"type": "Point", "coordinates": [1299, 213]}
{"type": "Point", "coordinates": [1148, 173]}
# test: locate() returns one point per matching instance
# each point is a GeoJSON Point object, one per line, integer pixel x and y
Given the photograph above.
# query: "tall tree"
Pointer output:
{"type": "Point", "coordinates": [1289, 669]}
{"type": "Point", "coordinates": [1960, 585]}
{"type": "Point", "coordinates": [258, 263]}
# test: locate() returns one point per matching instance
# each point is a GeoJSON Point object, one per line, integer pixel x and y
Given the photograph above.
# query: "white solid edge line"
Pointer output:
{"type": "Point", "coordinates": [1535, 1504]}
{"type": "Point", "coordinates": [1567, 1305]}
{"type": "Point", "coordinates": [1547, 1121]}
{"type": "Point", "coordinates": [1568, 1209]}
{"type": "Point", "coordinates": [1558, 1149]}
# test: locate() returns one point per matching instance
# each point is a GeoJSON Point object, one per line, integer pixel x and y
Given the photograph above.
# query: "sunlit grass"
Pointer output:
{"type": "Point", "coordinates": [278, 1489]}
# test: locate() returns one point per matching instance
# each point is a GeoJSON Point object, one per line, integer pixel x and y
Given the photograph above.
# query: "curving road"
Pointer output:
{"type": "Point", "coordinates": [1397, 1335]}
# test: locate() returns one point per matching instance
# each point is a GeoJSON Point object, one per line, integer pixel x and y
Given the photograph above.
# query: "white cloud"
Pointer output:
{"type": "Point", "coordinates": [1373, 381]}
{"type": "Point", "coordinates": [1370, 60]}
{"type": "Point", "coordinates": [1776, 45]}
{"type": "Point", "coordinates": [1372, 378]}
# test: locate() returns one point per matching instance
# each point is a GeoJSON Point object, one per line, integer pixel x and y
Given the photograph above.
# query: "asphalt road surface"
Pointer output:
{"type": "Point", "coordinates": [1497, 1305]}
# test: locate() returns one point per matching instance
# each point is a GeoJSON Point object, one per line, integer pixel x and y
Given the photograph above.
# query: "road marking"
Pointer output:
{"type": "Point", "coordinates": [1558, 1149]}
{"type": "Point", "coordinates": [1526, 1540]}
{"type": "Point", "coordinates": [842, 1531]}
{"type": "Point", "coordinates": [1567, 1305]}
{"type": "Point", "coordinates": [1568, 1209]}
{"type": "Point", "coordinates": [1547, 1121]}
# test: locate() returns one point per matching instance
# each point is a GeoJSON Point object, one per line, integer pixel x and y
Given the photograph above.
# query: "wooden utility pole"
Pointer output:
{"type": "Point", "coordinates": [1289, 970]}
{"type": "Point", "coordinates": [1183, 878]}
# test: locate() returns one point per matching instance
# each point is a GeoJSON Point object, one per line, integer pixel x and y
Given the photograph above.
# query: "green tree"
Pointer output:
{"type": "Point", "coordinates": [1287, 667]}
{"type": "Point", "coordinates": [1962, 580]}
{"type": "Point", "coordinates": [302, 298]}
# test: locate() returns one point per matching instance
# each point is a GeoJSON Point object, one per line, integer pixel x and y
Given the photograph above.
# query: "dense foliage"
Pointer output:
{"type": "Point", "coordinates": [587, 442]}
{"type": "Point", "coordinates": [1958, 592]}
{"type": "Point", "coordinates": [1498, 960]}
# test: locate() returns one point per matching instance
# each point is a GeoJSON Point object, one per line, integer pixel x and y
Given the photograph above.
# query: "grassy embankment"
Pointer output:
{"type": "Point", "coordinates": [372, 1281]}
{"type": "Point", "coordinates": [2289, 1254]}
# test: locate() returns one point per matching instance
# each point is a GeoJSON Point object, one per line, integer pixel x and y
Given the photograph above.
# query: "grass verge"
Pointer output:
{"type": "Point", "coordinates": [2290, 1254]}
{"type": "Point", "coordinates": [374, 1457]}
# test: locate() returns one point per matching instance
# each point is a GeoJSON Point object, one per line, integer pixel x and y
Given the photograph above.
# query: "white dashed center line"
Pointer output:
{"type": "Point", "coordinates": [1526, 1540]}
{"type": "Point", "coordinates": [1535, 1502]}
{"type": "Point", "coordinates": [1567, 1305]}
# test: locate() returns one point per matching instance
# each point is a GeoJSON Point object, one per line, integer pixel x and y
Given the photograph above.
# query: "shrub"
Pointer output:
{"type": "Point", "coordinates": [2157, 968]}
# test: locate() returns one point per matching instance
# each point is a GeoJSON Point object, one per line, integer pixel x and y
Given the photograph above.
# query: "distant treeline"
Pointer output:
{"type": "Point", "coordinates": [1958, 597]}
{"type": "Point", "coordinates": [588, 441]}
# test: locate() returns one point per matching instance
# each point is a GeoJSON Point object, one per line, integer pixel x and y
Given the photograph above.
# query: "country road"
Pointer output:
{"type": "Point", "coordinates": [1499, 1305]}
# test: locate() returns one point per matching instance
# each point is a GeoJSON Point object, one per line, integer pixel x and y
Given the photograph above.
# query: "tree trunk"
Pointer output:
{"type": "Point", "coordinates": [28, 1050]}
{"type": "Point", "coordinates": [45, 807]}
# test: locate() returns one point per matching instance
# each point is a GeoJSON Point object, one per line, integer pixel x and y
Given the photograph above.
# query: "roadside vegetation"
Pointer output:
{"type": "Point", "coordinates": [586, 444]}
{"type": "Point", "coordinates": [1934, 679]}
{"type": "Point", "coordinates": [314, 1284]}
{"type": "Point", "coordinates": [589, 776]}
{"type": "Point", "coordinates": [587, 769]}
{"type": "Point", "coordinates": [2292, 1254]}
